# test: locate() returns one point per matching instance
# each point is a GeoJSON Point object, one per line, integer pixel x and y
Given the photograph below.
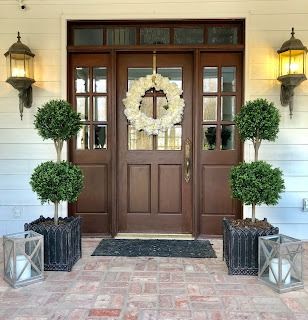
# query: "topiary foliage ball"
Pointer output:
{"type": "Point", "coordinates": [57, 120]}
{"type": "Point", "coordinates": [258, 119]}
{"type": "Point", "coordinates": [57, 182]}
{"type": "Point", "coordinates": [256, 183]}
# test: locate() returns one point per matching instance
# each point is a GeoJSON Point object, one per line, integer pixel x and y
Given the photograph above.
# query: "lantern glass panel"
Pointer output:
{"type": "Point", "coordinates": [21, 65]}
{"type": "Point", "coordinates": [292, 62]}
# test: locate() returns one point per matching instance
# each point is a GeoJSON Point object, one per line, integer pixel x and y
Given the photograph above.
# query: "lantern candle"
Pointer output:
{"type": "Point", "coordinates": [285, 267]}
{"type": "Point", "coordinates": [21, 262]}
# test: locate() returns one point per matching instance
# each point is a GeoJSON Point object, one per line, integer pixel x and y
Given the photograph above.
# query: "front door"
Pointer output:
{"type": "Point", "coordinates": [154, 172]}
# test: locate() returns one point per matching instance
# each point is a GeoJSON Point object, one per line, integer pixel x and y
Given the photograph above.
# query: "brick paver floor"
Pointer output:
{"type": "Point", "coordinates": [114, 288]}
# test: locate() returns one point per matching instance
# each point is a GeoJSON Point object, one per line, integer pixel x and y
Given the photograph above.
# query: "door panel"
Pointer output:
{"type": "Point", "coordinates": [221, 75]}
{"type": "Point", "coordinates": [154, 195]}
{"type": "Point", "coordinates": [139, 188]}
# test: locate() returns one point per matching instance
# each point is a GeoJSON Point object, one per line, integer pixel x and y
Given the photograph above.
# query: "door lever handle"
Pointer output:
{"type": "Point", "coordinates": [187, 160]}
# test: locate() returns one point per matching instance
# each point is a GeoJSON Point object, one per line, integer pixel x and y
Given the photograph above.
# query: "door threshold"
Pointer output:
{"type": "Point", "coordinates": [167, 236]}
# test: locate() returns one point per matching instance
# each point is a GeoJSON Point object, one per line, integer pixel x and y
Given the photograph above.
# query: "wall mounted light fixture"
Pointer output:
{"type": "Point", "coordinates": [19, 63]}
{"type": "Point", "coordinates": [292, 69]}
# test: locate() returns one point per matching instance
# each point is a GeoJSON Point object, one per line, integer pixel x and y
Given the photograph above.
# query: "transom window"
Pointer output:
{"type": "Point", "coordinates": [206, 33]}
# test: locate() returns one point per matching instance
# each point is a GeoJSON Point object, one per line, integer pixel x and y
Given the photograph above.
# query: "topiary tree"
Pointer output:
{"type": "Point", "coordinates": [61, 180]}
{"type": "Point", "coordinates": [257, 182]}
{"type": "Point", "coordinates": [258, 120]}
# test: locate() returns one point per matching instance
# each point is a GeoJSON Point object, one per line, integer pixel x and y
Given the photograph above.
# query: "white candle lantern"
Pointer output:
{"type": "Point", "coordinates": [23, 258]}
{"type": "Point", "coordinates": [281, 262]}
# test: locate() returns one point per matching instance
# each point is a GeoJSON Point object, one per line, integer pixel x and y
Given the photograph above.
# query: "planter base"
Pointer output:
{"type": "Point", "coordinates": [62, 243]}
{"type": "Point", "coordinates": [240, 247]}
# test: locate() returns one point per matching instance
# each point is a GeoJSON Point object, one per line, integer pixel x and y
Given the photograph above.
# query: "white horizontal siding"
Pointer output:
{"type": "Point", "coordinates": [268, 25]}
{"type": "Point", "coordinates": [296, 230]}
{"type": "Point", "coordinates": [17, 166]}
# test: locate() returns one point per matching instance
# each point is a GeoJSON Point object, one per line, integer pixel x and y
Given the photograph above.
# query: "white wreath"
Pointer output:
{"type": "Point", "coordinates": [141, 121]}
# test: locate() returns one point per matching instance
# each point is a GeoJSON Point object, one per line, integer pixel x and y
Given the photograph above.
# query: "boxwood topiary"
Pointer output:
{"type": "Point", "coordinates": [57, 181]}
{"type": "Point", "coordinates": [257, 182]}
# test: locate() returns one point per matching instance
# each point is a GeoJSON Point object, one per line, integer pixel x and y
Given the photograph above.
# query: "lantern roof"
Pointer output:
{"type": "Point", "coordinates": [292, 44]}
{"type": "Point", "coordinates": [19, 47]}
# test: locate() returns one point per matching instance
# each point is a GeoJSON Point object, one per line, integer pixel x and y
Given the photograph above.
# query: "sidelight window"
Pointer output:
{"type": "Point", "coordinates": [91, 101]}
{"type": "Point", "coordinates": [219, 107]}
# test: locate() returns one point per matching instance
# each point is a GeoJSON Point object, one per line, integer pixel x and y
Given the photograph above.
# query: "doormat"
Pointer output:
{"type": "Point", "coordinates": [155, 248]}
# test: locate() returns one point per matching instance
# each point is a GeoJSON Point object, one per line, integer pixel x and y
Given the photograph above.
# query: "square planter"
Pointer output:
{"type": "Point", "coordinates": [23, 258]}
{"type": "Point", "coordinates": [281, 262]}
{"type": "Point", "coordinates": [240, 247]}
{"type": "Point", "coordinates": [62, 243]}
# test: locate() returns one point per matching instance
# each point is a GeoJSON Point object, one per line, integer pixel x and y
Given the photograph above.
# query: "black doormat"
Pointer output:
{"type": "Point", "coordinates": [155, 248]}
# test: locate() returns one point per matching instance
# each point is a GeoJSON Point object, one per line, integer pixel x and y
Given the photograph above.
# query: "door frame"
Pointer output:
{"type": "Point", "coordinates": [196, 50]}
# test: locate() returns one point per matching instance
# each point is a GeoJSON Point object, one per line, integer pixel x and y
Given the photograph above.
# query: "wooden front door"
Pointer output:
{"type": "Point", "coordinates": [153, 195]}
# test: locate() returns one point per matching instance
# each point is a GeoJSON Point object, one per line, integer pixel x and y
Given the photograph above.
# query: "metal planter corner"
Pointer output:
{"type": "Point", "coordinates": [62, 243]}
{"type": "Point", "coordinates": [240, 248]}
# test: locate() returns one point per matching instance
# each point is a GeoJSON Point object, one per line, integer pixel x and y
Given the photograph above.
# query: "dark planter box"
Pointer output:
{"type": "Point", "coordinates": [62, 243]}
{"type": "Point", "coordinates": [240, 247]}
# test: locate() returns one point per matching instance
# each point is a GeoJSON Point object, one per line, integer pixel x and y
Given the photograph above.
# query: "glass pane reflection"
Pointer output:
{"type": "Point", "coordinates": [227, 108]}
{"type": "Point", "coordinates": [188, 35]}
{"type": "Point", "coordinates": [210, 79]}
{"type": "Point", "coordinates": [154, 35]}
{"type": "Point", "coordinates": [170, 139]}
{"type": "Point", "coordinates": [228, 79]}
{"type": "Point", "coordinates": [209, 137]}
{"type": "Point", "coordinates": [121, 36]}
{"type": "Point", "coordinates": [83, 138]}
{"type": "Point", "coordinates": [209, 108]}
{"type": "Point", "coordinates": [174, 75]}
{"type": "Point", "coordinates": [222, 35]}
{"type": "Point", "coordinates": [227, 137]}
{"type": "Point", "coordinates": [136, 73]}
{"type": "Point", "coordinates": [82, 104]}
{"type": "Point", "coordinates": [100, 80]}
{"type": "Point", "coordinates": [100, 137]}
{"type": "Point", "coordinates": [146, 106]}
{"type": "Point", "coordinates": [81, 80]}
{"type": "Point", "coordinates": [88, 37]}
{"type": "Point", "coordinates": [100, 108]}
{"type": "Point", "coordinates": [161, 106]}
{"type": "Point", "coordinates": [138, 140]}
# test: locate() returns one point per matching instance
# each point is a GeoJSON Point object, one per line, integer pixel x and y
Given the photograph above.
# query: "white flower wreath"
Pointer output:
{"type": "Point", "coordinates": [141, 121]}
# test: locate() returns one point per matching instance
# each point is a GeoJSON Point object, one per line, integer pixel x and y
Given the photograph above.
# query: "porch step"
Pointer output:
{"type": "Point", "coordinates": [171, 236]}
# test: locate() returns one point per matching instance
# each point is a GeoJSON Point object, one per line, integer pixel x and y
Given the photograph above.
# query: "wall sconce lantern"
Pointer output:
{"type": "Point", "coordinates": [292, 69]}
{"type": "Point", "coordinates": [19, 62]}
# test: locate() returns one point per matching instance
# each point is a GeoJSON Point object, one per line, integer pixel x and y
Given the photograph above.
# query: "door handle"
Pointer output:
{"type": "Point", "coordinates": [187, 160]}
